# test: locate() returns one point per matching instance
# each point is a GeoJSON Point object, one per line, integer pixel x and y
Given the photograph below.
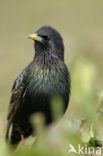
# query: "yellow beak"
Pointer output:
{"type": "Point", "coordinates": [35, 37]}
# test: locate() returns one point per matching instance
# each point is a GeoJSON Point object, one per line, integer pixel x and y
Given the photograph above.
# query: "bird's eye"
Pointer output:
{"type": "Point", "coordinates": [45, 37]}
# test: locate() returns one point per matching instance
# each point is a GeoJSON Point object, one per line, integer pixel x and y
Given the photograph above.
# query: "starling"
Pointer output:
{"type": "Point", "coordinates": [46, 76]}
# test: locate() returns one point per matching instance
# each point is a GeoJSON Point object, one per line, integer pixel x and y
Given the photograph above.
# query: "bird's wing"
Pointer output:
{"type": "Point", "coordinates": [18, 94]}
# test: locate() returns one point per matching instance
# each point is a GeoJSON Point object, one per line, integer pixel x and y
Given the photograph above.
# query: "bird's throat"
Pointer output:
{"type": "Point", "coordinates": [46, 58]}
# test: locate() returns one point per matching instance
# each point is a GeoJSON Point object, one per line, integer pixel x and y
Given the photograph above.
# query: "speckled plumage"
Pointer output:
{"type": "Point", "coordinates": [46, 76]}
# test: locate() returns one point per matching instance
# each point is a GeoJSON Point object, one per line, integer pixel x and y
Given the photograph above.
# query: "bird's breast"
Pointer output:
{"type": "Point", "coordinates": [46, 81]}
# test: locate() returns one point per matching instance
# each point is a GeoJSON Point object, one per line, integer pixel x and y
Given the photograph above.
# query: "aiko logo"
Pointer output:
{"type": "Point", "coordinates": [84, 150]}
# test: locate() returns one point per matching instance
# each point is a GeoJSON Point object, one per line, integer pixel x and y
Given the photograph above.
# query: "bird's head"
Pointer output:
{"type": "Point", "coordinates": [48, 39]}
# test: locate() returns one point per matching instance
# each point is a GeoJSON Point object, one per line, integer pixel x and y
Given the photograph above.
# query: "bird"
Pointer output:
{"type": "Point", "coordinates": [46, 76]}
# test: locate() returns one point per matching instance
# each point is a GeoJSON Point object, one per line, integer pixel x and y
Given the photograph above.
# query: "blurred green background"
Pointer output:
{"type": "Point", "coordinates": [80, 22]}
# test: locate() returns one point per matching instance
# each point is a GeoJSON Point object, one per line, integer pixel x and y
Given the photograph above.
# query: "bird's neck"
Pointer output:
{"type": "Point", "coordinates": [46, 58]}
